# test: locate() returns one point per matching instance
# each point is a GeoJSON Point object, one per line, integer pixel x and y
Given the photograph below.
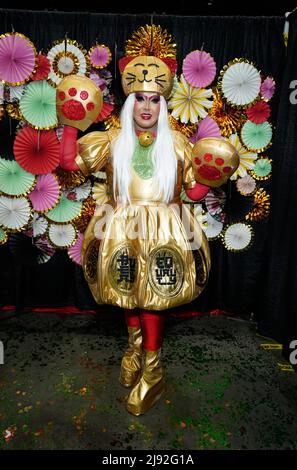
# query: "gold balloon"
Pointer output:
{"type": "Point", "coordinates": [146, 138]}
{"type": "Point", "coordinates": [214, 161]}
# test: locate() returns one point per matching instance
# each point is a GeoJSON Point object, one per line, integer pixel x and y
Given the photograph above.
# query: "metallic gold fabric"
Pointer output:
{"type": "Point", "coordinates": [145, 250]}
{"type": "Point", "coordinates": [131, 361]}
{"type": "Point", "coordinates": [150, 386]}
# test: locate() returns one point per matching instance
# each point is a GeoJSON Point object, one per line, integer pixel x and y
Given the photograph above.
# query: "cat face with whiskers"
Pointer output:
{"type": "Point", "coordinates": [147, 74]}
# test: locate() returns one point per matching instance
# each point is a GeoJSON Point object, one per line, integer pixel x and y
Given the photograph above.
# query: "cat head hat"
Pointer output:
{"type": "Point", "coordinates": [146, 73]}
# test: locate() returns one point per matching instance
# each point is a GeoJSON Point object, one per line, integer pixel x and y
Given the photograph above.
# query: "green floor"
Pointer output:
{"type": "Point", "coordinates": [59, 387]}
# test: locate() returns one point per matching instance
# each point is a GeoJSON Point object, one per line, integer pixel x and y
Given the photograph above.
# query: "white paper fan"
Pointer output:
{"type": "Point", "coordinates": [39, 224]}
{"type": "Point", "coordinates": [66, 58]}
{"type": "Point", "coordinates": [237, 237]}
{"type": "Point", "coordinates": [14, 212]}
{"type": "Point", "coordinates": [62, 235]}
{"type": "Point", "coordinates": [241, 83]}
{"type": "Point", "coordinates": [213, 228]}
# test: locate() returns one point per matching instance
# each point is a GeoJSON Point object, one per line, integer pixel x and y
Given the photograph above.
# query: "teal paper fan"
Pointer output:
{"type": "Point", "coordinates": [3, 236]}
{"type": "Point", "coordinates": [65, 211]}
{"type": "Point", "coordinates": [38, 105]}
{"type": "Point", "coordinates": [14, 180]}
{"type": "Point", "coordinates": [256, 137]}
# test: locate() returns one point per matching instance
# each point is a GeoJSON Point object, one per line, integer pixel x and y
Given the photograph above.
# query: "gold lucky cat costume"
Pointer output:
{"type": "Point", "coordinates": [159, 268]}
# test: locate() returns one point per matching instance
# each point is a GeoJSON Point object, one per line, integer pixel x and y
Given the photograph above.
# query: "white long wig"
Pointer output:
{"type": "Point", "coordinates": [163, 155]}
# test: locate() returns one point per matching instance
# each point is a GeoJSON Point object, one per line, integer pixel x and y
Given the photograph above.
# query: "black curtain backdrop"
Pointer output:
{"type": "Point", "coordinates": [258, 280]}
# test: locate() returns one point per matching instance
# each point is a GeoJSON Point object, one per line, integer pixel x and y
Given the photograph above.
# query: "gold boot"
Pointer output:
{"type": "Point", "coordinates": [131, 361]}
{"type": "Point", "coordinates": [150, 386]}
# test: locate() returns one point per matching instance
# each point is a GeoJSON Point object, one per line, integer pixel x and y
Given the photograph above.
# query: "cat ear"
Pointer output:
{"type": "Point", "coordinates": [124, 61]}
{"type": "Point", "coordinates": [171, 64]}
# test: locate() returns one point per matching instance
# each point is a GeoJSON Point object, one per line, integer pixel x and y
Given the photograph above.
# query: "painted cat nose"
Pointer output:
{"type": "Point", "coordinates": [145, 72]}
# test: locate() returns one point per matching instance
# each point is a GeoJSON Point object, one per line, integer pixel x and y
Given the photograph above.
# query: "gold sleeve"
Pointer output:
{"type": "Point", "coordinates": [188, 172]}
{"type": "Point", "coordinates": [92, 151]}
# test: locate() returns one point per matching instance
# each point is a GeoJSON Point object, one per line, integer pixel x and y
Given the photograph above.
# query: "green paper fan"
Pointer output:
{"type": "Point", "coordinates": [3, 236]}
{"type": "Point", "coordinates": [262, 169]}
{"type": "Point", "coordinates": [38, 105]}
{"type": "Point", "coordinates": [256, 137]}
{"type": "Point", "coordinates": [65, 211]}
{"type": "Point", "coordinates": [14, 180]}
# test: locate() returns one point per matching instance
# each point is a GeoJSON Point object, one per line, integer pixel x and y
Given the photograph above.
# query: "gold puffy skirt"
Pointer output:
{"type": "Point", "coordinates": [153, 256]}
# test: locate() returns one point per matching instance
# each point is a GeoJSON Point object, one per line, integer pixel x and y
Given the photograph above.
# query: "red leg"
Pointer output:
{"type": "Point", "coordinates": [132, 318]}
{"type": "Point", "coordinates": [152, 326]}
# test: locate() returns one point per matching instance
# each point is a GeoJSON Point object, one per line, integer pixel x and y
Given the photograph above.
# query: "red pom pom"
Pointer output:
{"type": "Point", "coordinates": [198, 192]}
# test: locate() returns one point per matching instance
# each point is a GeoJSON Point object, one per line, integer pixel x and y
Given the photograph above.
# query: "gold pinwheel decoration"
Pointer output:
{"type": "Point", "coordinates": [151, 40]}
{"type": "Point", "coordinates": [261, 206]}
{"type": "Point", "coordinates": [187, 129]}
{"type": "Point", "coordinates": [228, 118]}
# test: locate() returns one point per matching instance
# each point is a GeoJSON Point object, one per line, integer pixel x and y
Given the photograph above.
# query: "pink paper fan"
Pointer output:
{"type": "Point", "coordinates": [100, 56]}
{"type": "Point", "coordinates": [17, 58]}
{"type": "Point", "coordinates": [207, 128]}
{"type": "Point", "coordinates": [46, 192]}
{"type": "Point", "coordinates": [199, 68]}
{"type": "Point", "coordinates": [267, 88]}
{"type": "Point", "coordinates": [215, 201]}
{"type": "Point", "coordinates": [74, 251]}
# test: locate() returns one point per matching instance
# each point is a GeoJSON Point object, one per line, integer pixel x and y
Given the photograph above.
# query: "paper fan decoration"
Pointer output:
{"type": "Point", "coordinates": [99, 193]}
{"type": "Point", "coordinates": [43, 68]}
{"type": "Point", "coordinates": [261, 207]}
{"type": "Point", "coordinates": [199, 68]}
{"type": "Point", "coordinates": [189, 103]}
{"type": "Point", "coordinates": [99, 56]}
{"type": "Point", "coordinates": [256, 137]}
{"type": "Point", "coordinates": [240, 83]}
{"type": "Point", "coordinates": [38, 105]}
{"type": "Point", "coordinates": [213, 227]}
{"type": "Point", "coordinates": [228, 118]}
{"type": "Point", "coordinates": [17, 58]}
{"type": "Point", "coordinates": [14, 180]}
{"type": "Point", "coordinates": [80, 193]}
{"type": "Point", "coordinates": [207, 128]}
{"type": "Point", "coordinates": [14, 213]}
{"type": "Point", "coordinates": [16, 92]}
{"type": "Point", "coordinates": [62, 235]}
{"type": "Point", "coordinates": [246, 185]}
{"type": "Point", "coordinates": [247, 158]}
{"type": "Point", "coordinates": [39, 225]}
{"type": "Point", "coordinates": [65, 210]}
{"type": "Point", "coordinates": [200, 215]}
{"type": "Point", "coordinates": [3, 236]}
{"type": "Point", "coordinates": [45, 247]}
{"type": "Point", "coordinates": [2, 93]}
{"type": "Point", "coordinates": [46, 193]}
{"type": "Point", "coordinates": [66, 58]}
{"type": "Point", "coordinates": [267, 88]}
{"type": "Point", "coordinates": [28, 253]}
{"type": "Point", "coordinates": [215, 201]}
{"type": "Point", "coordinates": [262, 169]}
{"type": "Point", "coordinates": [237, 237]}
{"type": "Point", "coordinates": [259, 112]}
{"type": "Point", "coordinates": [74, 252]}
{"type": "Point", "coordinates": [106, 110]}
{"type": "Point", "coordinates": [37, 151]}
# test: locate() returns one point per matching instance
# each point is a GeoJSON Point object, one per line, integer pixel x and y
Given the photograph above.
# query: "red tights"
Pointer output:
{"type": "Point", "coordinates": [151, 324]}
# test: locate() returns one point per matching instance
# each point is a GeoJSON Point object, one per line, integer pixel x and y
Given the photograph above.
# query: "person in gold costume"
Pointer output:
{"type": "Point", "coordinates": [143, 251]}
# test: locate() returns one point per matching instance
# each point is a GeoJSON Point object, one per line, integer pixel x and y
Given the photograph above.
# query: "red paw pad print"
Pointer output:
{"type": "Point", "coordinates": [72, 108]}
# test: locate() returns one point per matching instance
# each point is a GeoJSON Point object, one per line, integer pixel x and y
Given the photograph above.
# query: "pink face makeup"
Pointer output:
{"type": "Point", "coordinates": [146, 110]}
